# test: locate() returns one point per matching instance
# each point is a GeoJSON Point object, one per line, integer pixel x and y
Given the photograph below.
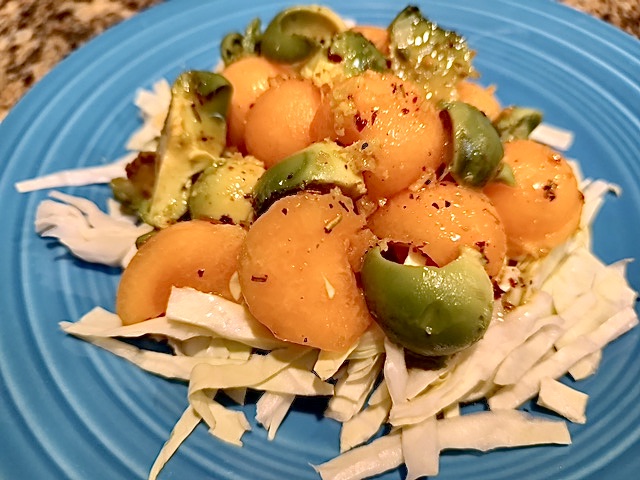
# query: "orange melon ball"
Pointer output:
{"type": "Point", "coordinates": [249, 77]}
{"type": "Point", "coordinates": [379, 36]}
{"type": "Point", "coordinates": [280, 122]}
{"type": "Point", "coordinates": [295, 271]}
{"type": "Point", "coordinates": [401, 130]}
{"type": "Point", "coordinates": [195, 254]}
{"type": "Point", "coordinates": [484, 99]}
{"type": "Point", "coordinates": [440, 218]}
{"type": "Point", "coordinates": [543, 209]}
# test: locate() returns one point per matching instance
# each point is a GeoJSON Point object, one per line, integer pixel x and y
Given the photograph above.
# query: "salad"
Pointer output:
{"type": "Point", "coordinates": [398, 242]}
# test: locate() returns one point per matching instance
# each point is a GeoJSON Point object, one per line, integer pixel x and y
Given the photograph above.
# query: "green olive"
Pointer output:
{"type": "Point", "coordinates": [477, 149]}
{"type": "Point", "coordinates": [297, 32]}
{"type": "Point", "coordinates": [430, 311]}
{"type": "Point", "coordinates": [321, 165]}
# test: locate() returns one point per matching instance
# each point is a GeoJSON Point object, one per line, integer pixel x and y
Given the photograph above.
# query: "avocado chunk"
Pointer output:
{"type": "Point", "coordinates": [134, 191]}
{"type": "Point", "coordinates": [356, 53]}
{"type": "Point", "coordinates": [193, 137]}
{"type": "Point", "coordinates": [428, 55]}
{"type": "Point", "coordinates": [477, 149]}
{"type": "Point", "coordinates": [517, 122]}
{"type": "Point", "coordinates": [322, 165]}
{"type": "Point", "coordinates": [222, 192]}
{"type": "Point", "coordinates": [348, 55]}
{"type": "Point", "coordinates": [429, 311]}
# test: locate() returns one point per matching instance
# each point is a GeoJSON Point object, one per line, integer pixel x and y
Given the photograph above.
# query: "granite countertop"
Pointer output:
{"type": "Point", "coordinates": [36, 34]}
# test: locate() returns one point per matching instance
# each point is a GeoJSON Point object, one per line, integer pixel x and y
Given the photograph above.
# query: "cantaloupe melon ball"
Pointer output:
{"type": "Point", "coordinates": [543, 208]}
{"type": "Point", "coordinates": [250, 77]}
{"type": "Point", "coordinates": [195, 254]}
{"type": "Point", "coordinates": [395, 123]}
{"type": "Point", "coordinates": [296, 275]}
{"type": "Point", "coordinates": [441, 218]}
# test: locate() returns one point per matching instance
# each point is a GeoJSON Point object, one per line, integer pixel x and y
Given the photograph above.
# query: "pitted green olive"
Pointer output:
{"type": "Point", "coordinates": [323, 165]}
{"type": "Point", "coordinates": [515, 123]}
{"type": "Point", "coordinates": [428, 310]}
{"type": "Point", "coordinates": [295, 33]}
{"type": "Point", "coordinates": [477, 149]}
{"type": "Point", "coordinates": [356, 53]}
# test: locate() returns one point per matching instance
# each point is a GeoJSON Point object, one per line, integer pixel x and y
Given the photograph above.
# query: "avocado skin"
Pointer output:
{"type": "Point", "coordinates": [430, 311]}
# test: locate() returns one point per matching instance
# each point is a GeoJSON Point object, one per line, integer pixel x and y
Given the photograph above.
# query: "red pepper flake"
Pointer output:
{"type": "Point", "coordinates": [549, 190]}
{"type": "Point", "coordinates": [360, 122]}
{"type": "Point", "coordinates": [405, 111]}
{"type": "Point", "coordinates": [285, 211]}
{"type": "Point", "coordinates": [364, 146]}
{"type": "Point", "coordinates": [343, 205]}
{"type": "Point", "coordinates": [415, 100]}
{"type": "Point", "coordinates": [435, 205]}
{"type": "Point", "coordinates": [259, 278]}
{"type": "Point", "coordinates": [201, 272]}
{"type": "Point", "coordinates": [447, 203]}
{"type": "Point", "coordinates": [374, 115]}
{"type": "Point", "coordinates": [394, 87]}
{"type": "Point", "coordinates": [334, 57]}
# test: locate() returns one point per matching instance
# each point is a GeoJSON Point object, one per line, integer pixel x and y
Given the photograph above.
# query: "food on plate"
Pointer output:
{"type": "Point", "coordinates": [542, 208]}
{"type": "Point", "coordinates": [439, 219]}
{"type": "Point", "coordinates": [344, 211]}
{"type": "Point", "coordinates": [193, 136]}
{"type": "Point", "coordinates": [430, 311]}
{"type": "Point", "coordinates": [296, 270]}
{"type": "Point", "coordinates": [195, 254]}
{"type": "Point", "coordinates": [297, 103]}
{"type": "Point", "coordinates": [222, 192]}
{"type": "Point", "coordinates": [249, 77]}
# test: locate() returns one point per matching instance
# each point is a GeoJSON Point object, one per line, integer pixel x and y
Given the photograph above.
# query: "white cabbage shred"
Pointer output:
{"type": "Point", "coordinates": [571, 306]}
{"type": "Point", "coordinates": [88, 232]}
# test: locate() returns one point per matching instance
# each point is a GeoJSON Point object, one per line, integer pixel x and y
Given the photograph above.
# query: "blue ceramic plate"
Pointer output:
{"type": "Point", "coordinates": [69, 410]}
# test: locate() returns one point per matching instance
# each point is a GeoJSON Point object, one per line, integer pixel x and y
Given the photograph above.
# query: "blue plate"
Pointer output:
{"type": "Point", "coordinates": [69, 410]}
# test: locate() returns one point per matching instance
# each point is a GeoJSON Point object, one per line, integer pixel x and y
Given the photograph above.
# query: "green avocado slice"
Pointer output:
{"type": "Point", "coordinates": [321, 165]}
{"type": "Point", "coordinates": [193, 137]}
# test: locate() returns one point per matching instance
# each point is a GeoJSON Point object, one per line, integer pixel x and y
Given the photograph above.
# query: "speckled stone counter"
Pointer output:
{"type": "Point", "coordinates": [36, 34]}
